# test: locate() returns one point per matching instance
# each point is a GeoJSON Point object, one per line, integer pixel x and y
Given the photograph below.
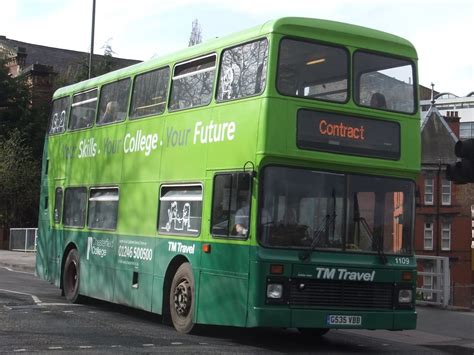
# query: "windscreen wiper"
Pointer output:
{"type": "Point", "coordinates": [323, 226]}
{"type": "Point", "coordinates": [375, 241]}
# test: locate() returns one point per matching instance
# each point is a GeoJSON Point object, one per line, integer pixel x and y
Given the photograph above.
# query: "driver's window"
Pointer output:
{"type": "Point", "coordinates": [231, 205]}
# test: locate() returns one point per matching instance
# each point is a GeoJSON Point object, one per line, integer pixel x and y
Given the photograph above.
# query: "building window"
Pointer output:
{"type": "Point", "coordinates": [428, 282]}
{"type": "Point", "coordinates": [446, 236]}
{"type": "Point", "coordinates": [446, 192]}
{"type": "Point", "coordinates": [428, 237]}
{"type": "Point", "coordinates": [466, 130]}
{"type": "Point", "coordinates": [429, 183]}
{"type": "Point", "coordinates": [180, 210]}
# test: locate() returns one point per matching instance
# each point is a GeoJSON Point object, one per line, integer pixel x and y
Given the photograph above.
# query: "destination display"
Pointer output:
{"type": "Point", "coordinates": [348, 135]}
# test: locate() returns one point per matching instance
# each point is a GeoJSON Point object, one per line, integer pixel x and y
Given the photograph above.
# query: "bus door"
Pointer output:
{"type": "Point", "coordinates": [225, 264]}
{"type": "Point", "coordinates": [43, 239]}
{"type": "Point", "coordinates": [56, 242]}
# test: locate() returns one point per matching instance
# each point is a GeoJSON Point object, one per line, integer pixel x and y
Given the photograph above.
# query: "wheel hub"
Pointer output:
{"type": "Point", "coordinates": [182, 298]}
{"type": "Point", "coordinates": [72, 275]}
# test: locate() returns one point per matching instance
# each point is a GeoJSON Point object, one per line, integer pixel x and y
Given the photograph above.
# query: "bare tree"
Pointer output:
{"type": "Point", "coordinates": [196, 36]}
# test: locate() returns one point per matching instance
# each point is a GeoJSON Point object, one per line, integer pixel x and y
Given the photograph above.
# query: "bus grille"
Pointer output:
{"type": "Point", "coordinates": [340, 294]}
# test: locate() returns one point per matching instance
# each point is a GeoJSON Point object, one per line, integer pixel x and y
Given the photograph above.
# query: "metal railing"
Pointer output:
{"type": "Point", "coordinates": [23, 239]}
{"type": "Point", "coordinates": [437, 291]}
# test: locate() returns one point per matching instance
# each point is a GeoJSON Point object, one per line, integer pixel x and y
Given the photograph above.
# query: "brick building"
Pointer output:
{"type": "Point", "coordinates": [443, 214]}
{"type": "Point", "coordinates": [47, 68]}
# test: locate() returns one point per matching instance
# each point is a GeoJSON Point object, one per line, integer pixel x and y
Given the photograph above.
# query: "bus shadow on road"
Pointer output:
{"type": "Point", "coordinates": [282, 340]}
{"type": "Point", "coordinates": [267, 339]}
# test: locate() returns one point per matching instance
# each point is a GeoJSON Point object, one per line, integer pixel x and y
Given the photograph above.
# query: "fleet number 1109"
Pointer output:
{"type": "Point", "coordinates": [402, 261]}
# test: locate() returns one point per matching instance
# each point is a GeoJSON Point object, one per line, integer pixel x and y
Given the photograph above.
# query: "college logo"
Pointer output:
{"type": "Point", "coordinates": [98, 247]}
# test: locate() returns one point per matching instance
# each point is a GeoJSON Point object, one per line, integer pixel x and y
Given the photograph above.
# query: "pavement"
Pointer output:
{"type": "Point", "coordinates": [18, 260]}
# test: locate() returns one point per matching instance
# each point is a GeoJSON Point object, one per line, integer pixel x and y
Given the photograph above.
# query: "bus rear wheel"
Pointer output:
{"type": "Point", "coordinates": [182, 299]}
{"type": "Point", "coordinates": [313, 332]}
{"type": "Point", "coordinates": [71, 276]}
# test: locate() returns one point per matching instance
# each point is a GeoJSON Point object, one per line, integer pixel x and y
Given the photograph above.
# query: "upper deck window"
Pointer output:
{"type": "Point", "coordinates": [59, 115]}
{"type": "Point", "coordinates": [384, 83]}
{"type": "Point", "coordinates": [192, 83]}
{"type": "Point", "coordinates": [243, 71]}
{"type": "Point", "coordinates": [149, 93]}
{"type": "Point", "coordinates": [312, 70]}
{"type": "Point", "coordinates": [84, 106]}
{"type": "Point", "coordinates": [113, 102]}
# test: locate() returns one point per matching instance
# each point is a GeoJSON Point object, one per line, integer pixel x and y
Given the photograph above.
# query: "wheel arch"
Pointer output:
{"type": "Point", "coordinates": [173, 266]}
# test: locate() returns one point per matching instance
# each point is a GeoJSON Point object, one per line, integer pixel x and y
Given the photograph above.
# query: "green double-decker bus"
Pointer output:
{"type": "Point", "coordinates": [263, 179]}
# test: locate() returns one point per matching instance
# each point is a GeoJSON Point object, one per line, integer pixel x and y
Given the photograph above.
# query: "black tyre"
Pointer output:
{"type": "Point", "coordinates": [313, 332]}
{"type": "Point", "coordinates": [71, 276]}
{"type": "Point", "coordinates": [182, 299]}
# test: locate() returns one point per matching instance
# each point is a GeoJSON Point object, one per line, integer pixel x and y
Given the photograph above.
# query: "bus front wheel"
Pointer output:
{"type": "Point", "coordinates": [182, 299]}
{"type": "Point", "coordinates": [71, 275]}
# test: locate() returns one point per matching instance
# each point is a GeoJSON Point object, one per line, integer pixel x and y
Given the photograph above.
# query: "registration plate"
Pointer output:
{"type": "Point", "coordinates": [344, 320]}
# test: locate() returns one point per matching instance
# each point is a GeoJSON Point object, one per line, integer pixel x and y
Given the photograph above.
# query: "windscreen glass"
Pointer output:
{"type": "Point", "coordinates": [304, 209]}
{"type": "Point", "coordinates": [312, 70]}
{"type": "Point", "coordinates": [384, 82]}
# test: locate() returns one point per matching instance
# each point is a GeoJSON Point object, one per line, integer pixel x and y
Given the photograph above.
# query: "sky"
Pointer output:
{"type": "Point", "coordinates": [441, 30]}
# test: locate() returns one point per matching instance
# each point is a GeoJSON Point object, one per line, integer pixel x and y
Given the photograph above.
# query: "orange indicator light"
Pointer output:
{"type": "Point", "coordinates": [407, 276]}
{"type": "Point", "coordinates": [206, 248]}
{"type": "Point", "coordinates": [276, 269]}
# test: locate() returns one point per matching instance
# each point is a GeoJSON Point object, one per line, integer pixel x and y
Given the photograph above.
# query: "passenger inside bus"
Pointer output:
{"type": "Point", "coordinates": [378, 100]}
{"type": "Point", "coordinates": [110, 114]}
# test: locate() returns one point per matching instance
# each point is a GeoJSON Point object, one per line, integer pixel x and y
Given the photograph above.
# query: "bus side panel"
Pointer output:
{"type": "Point", "coordinates": [172, 250]}
{"type": "Point", "coordinates": [134, 271]}
{"type": "Point", "coordinates": [97, 255]}
{"type": "Point", "coordinates": [224, 276]}
{"type": "Point", "coordinates": [106, 161]}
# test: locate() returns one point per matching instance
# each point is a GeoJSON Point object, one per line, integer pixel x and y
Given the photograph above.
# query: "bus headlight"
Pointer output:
{"type": "Point", "coordinates": [274, 291]}
{"type": "Point", "coordinates": [405, 296]}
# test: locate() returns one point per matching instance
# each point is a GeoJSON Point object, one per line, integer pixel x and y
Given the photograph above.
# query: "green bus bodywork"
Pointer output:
{"type": "Point", "coordinates": [134, 264]}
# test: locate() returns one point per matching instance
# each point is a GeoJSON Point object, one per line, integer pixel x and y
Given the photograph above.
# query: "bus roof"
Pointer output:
{"type": "Point", "coordinates": [324, 30]}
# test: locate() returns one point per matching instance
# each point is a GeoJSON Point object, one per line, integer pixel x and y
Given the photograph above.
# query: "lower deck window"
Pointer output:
{"type": "Point", "coordinates": [103, 208]}
{"type": "Point", "coordinates": [58, 205]}
{"type": "Point", "coordinates": [180, 210]}
{"type": "Point", "coordinates": [75, 202]}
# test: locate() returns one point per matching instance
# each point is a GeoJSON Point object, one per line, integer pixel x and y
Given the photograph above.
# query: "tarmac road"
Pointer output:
{"type": "Point", "coordinates": [34, 317]}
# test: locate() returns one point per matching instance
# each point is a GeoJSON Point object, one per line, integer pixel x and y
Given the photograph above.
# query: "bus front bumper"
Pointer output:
{"type": "Point", "coordinates": [333, 319]}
